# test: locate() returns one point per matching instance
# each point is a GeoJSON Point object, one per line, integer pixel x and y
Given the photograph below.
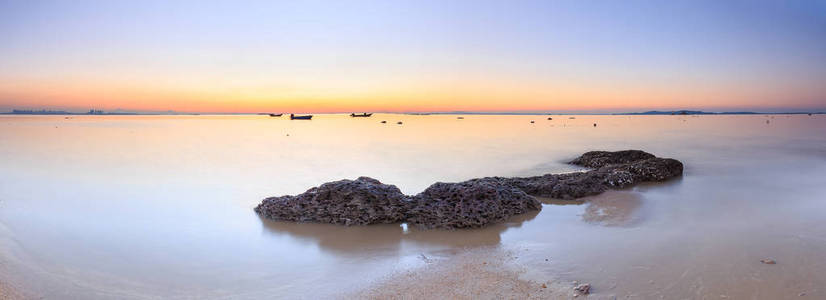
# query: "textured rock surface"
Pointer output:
{"type": "Point", "coordinates": [469, 204]}
{"type": "Point", "coordinates": [347, 202]}
{"type": "Point", "coordinates": [616, 170]}
{"type": "Point", "coordinates": [597, 159]}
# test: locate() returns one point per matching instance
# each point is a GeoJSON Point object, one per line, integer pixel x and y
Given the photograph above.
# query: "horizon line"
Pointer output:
{"type": "Point", "coordinates": [457, 112]}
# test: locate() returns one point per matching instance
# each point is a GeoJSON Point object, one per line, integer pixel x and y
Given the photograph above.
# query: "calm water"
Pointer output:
{"type": "Point", "coordinates": [161, 206]}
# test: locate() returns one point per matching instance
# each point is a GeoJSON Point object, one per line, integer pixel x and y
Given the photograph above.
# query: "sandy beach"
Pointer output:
{"type": "Point", "coordinates": [7, 293]}
{"type": "Point", "coordinates": [467, 274]}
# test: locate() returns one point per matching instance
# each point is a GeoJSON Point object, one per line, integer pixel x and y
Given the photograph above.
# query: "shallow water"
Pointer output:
{"type": "Point", "coordinates": [161, 206]}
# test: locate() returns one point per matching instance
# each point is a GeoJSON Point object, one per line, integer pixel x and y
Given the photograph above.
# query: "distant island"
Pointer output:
{"type": "Point", "coordinates": [698, 112]}
{"type": "Point", "coordinates": [652, 112]}
{"type": "Point", "coordinates": [62, 112]}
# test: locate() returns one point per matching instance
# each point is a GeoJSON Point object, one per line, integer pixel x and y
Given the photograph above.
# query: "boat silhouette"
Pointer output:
{"type": "Point", "coordinates": [294, 117]}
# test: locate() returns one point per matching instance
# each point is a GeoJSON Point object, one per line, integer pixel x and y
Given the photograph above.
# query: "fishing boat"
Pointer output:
{"type": "Point", "coordinates": [364, 115]}
{"type": "Point", "coordinates": [275, 115]}
{"type": "Point", "coordinates": [294, 117]}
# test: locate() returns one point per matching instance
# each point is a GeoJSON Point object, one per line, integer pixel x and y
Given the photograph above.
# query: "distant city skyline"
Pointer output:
{"type": "Point", "coordinates": [413, 56]}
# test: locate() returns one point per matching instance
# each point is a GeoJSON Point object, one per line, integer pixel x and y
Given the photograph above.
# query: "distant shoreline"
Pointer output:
{"type": "Point", "coordinates": [647, 113]}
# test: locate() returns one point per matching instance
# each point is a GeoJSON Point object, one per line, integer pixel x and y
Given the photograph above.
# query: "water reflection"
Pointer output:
{"type": "Point", "coordinates": [382, 238]}
{"type": "Point", "coordinates": [561, 202]}
{"type": "Point", "coordinates": [160, 206]}
{"type": "Point", "coordinates": [613, 208]}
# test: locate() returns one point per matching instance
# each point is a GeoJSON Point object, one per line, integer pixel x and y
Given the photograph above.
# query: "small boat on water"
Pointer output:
{"type": "Point", "coordinates": [294, 117]}
{"type": "Point", "coordinates": [275, 115]}
{"type": "Point", "coordinates": [460, 118]}
{"type": "Point", "coordinates": [364, 115]}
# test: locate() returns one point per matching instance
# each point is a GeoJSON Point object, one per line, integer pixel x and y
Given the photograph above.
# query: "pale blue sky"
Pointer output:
{"type": "Point", "coordinates": [778, 48]}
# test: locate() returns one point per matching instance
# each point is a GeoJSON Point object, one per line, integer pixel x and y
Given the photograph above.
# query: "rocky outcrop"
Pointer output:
{"type": "Point", "coordinates": [615, 171]}
{"type": "Point", "coordinates": [346, 202]}
{"type": "Point", "coordinates": [469, 204]}
{"type": "Point", "coordinates": [597, 159]}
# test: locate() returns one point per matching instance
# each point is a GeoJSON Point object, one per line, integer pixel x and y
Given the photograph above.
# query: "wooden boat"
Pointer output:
{"type": "Point", "coordinates": [294, 117]}
{"type": "Point", "coordinates": [275, 115]}
{"type": "Point", "coordinates": [364, 115]}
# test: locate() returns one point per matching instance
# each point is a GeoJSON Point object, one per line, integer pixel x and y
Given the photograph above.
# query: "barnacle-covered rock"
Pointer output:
{"type": "Point", "coordinates": [597, 159]}
{"type": "Point", "coordinates": [469, 204]}
{"type": "Point", "coordinates": [347, 202]}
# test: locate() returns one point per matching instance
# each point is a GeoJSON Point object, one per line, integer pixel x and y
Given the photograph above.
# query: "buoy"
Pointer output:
{"type": "Point", "coordinates": [595, 124]}
{"type": "Point", "coordinates": [550, 118]}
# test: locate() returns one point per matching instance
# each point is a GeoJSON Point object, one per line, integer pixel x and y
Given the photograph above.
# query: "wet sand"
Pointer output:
{"type": "Point", "coordinates": [482, 273]}
{"type": "Point", "coordinates": [493, 272]}
{"type": "Point", "coordinates": [520, 270]}
{"type": "Point", "coordinates": [7, 292]}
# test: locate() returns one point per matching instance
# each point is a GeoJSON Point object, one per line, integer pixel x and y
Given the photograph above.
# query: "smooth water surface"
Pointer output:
{"type": "Point", "coordinates": [161, 206]}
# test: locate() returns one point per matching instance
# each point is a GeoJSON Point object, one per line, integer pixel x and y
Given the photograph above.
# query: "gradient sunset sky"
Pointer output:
{"type": "Point", "coordinates": [342, 56]}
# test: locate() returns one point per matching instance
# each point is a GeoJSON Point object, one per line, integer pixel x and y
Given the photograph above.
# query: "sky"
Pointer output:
{"type": "Point", "coordinates": [407, 56]}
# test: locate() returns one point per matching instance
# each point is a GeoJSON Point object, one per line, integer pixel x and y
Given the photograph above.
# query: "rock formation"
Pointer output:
{"type": "Point", "coordinates": [469, 204]}
{"type": "Point", "coordinates": [346, 202]}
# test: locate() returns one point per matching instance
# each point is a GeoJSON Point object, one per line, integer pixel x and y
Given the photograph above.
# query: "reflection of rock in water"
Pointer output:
{"type": "Point", "coordinates": [388, 237]}
{"type": "Point", "coordinates": [344, 239]}
{"type": "Point", "coordinates": [554, 201]}
{"type": "Point", "coordinates": [473, 203]}
{"type": "Point", "coordinates": [614, 208]}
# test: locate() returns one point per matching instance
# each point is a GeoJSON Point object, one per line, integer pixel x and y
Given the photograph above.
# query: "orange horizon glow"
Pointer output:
{"type": "Point", "coordinates": [411, 57]}
{"type": "Point", "coordinates": [479, 96]}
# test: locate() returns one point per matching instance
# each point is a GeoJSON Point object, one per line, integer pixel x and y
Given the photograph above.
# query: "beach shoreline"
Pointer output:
{"type": "Point", "coordinates": [480, 273]}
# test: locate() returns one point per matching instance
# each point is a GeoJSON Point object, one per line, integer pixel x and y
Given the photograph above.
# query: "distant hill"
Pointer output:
{"type": "Point", "coordinates": [63, 112]}
{"type": "Point", "coordinates": [687, 112]}
{"type": "Point", "coordinates": [698, 112]}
